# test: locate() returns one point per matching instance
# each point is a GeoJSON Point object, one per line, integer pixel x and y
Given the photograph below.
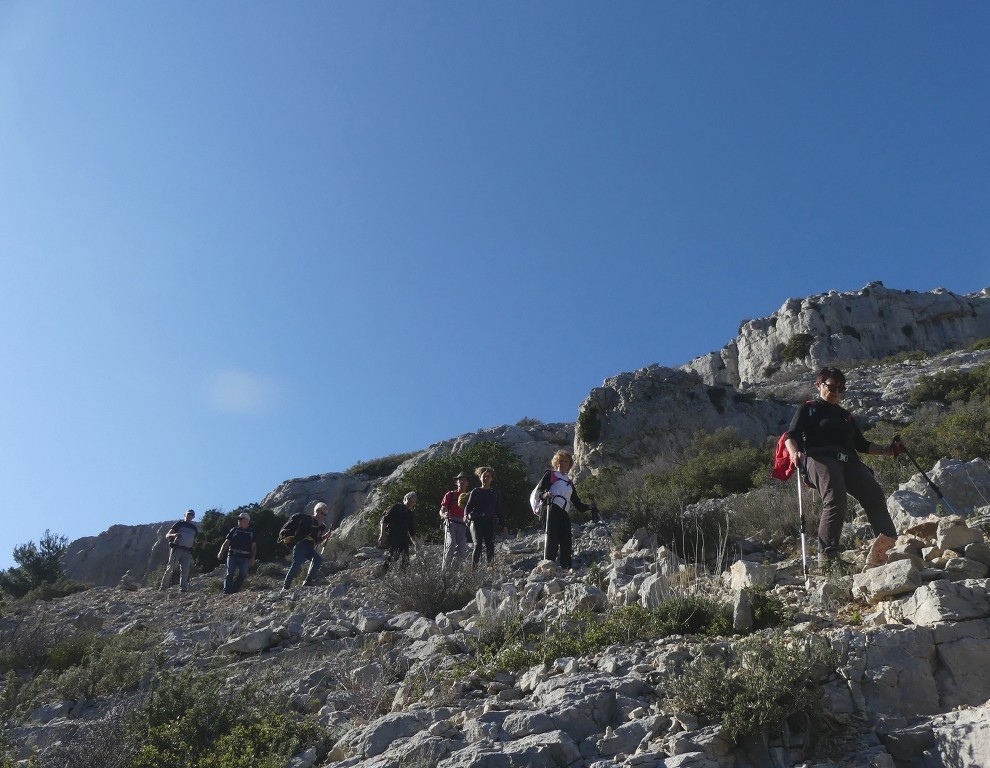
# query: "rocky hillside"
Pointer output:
{"type": "Point", "coordinates": [636, 416]}
{"type": "Point", "coordinates": [900, 652]}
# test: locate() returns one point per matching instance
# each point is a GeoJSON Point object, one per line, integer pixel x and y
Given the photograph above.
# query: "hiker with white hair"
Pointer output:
{"type": "Point", "coordinates": [304, 532]}
{"type": "Point", "coordinates": [398, 529]}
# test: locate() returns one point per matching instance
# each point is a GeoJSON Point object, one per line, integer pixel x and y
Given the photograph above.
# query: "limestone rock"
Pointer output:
{"type": "Point", "coordinates": [636, 417]}
{"type": "Point", "coordinates": [344, 494]}
{"type": "Point", "coordinates": [104, 559]}
{"type": "Point", "coordinates": [897, 578]}
{"type": "Point", "coordinates": [868, 324]}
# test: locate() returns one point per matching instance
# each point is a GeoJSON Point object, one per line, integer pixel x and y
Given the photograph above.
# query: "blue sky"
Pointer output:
{"type": "Point", "coordinates": [247, 242]}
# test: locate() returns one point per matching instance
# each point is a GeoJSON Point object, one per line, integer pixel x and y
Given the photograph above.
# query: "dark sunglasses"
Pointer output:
{"type": "Point", "coordinates": [834, 387]}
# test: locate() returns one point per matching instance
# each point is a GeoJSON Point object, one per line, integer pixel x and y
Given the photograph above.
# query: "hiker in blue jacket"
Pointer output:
{"type": "Point", "coordinates": [557, 489]}
{"type": "Point", "coordinates": [825, 438]}
{"type": "Point", "coordinates": [240, 550]}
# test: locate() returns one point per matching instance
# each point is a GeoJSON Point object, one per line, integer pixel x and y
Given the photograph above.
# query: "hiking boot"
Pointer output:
{"type": "Point", "coordinates": [877, 555]}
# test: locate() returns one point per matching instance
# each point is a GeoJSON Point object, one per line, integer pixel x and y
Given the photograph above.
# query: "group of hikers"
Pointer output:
{"type": "Point", "coordinates": [823, 443]}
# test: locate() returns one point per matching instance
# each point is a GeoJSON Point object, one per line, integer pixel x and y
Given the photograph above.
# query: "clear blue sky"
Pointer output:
{"type": "Point", "coordinates": [247, 242]}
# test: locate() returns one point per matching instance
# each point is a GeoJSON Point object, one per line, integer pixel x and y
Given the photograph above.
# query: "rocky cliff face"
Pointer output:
{"type": "Point", "coordinates": [344, 494]}
{"type": "Point", "coordinates": [869, 324]}
{"type": "Point", "coordinates": [103, 560]}
{"type": "Point", "coordinates": [635, 417]}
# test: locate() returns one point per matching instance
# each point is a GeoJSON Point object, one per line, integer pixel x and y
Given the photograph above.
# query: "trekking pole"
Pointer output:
{"type": "Point", "coordinates": [804, 532]}
{"type": "Point", "coordinates": [938, 491]}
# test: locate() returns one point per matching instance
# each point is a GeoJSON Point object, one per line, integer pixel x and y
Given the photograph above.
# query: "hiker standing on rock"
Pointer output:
{"type": "Point", "coordinates": [558, 491]}
{"type": "Point", "coordinates": [398, 529]}
{"type": "Point", "coordinates": [306, 531]}
{"type": "Point", "coordinates": [454, 527]}
{"type": "Point", "coordinates": [180, 539]}
{"type": "Point", "coordinates": [483, 514]}
{"type": "Point", "coordinates": [825, 438]}
{"type": "Point", "coordinates": [240, 551]}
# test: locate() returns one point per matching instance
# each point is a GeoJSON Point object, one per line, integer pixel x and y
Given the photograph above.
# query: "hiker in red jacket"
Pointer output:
{"type": "Point", "coordinates": [824, 438]}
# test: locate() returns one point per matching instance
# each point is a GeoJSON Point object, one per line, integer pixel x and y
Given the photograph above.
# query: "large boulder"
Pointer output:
{"type": "Point", "coordinates": [965, 485]}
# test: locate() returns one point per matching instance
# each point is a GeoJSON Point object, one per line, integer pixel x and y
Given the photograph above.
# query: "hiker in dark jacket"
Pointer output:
{"type": "Point", "coordinates": [560, 494]}
{"type": "Point", "coordinates": [240, 550]}
{"type": "Point", "coordinates": [180, 539]}
{"type": "Point", "coordinates": [311, 530]}
{"type": "Point", "coordinates": [398, 529]}
{"type": "Point", "coordinates": [825, 436]}
{"type": "Point", "coordinates": [484, 513]}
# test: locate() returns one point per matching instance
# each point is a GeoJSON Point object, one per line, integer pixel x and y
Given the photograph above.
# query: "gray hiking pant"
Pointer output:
{"type": "Point", "coordinates": [454, 542]}
{"type": "Point", "coordinates": [181, 559]}
{"type": "Point", "coordinates": [834, 479]}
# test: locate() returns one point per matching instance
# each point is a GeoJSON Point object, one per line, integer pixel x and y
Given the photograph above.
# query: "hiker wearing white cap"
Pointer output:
{"type": "Point", "coordinates": [240, 551]}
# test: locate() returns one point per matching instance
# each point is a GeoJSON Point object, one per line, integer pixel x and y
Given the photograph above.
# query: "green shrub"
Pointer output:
{"type": "Point", "coordinates": [192, 719]}
{"type": "Point", "coordinates": [769, 610]}
{"type": "Point", "coordinates": [527, 421]}
{"type": "Point", "coordinates": [511, 645]}
{"type": "Point", "coordinates": [382, 467]}
{"type": "Point", "coordinates": [589, 424]}
{"type": "Point", "coordinates": [797, 347]}
{"type": "Point", "coordinates": [714, 465]}
{"type": "Point", "coordinates": [980, 344]}
{"type": "Point", "coordinates": [111, 665]}
{"type": "Point", "coordinates": [760, 682]}
{"type": "Point", "coordinates": [960, 431]}
{"type": "Point", "coordinates": [432, 478]}
{"type": "Point", "coordinates": [911, 356]}
{"type": "Point", "coordinates": [953, 386]}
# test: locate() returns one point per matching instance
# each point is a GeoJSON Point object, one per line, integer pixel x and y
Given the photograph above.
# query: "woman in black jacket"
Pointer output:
{"type": "Point", "coordinates": [483, 512]}
{"type": "Point", "coordinates": [825, 437]}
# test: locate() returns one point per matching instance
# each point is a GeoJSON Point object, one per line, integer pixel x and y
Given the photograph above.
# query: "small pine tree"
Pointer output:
{"type": "Point", "coordinates": [37, 564]}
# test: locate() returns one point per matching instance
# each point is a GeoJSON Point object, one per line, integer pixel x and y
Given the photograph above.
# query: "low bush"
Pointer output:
{"type": "Point", "coordinates": [513, 646]}
{"type": "Point", "coordinates": [758, 683]}
{"type": "Point", "coordinates": [111, 665]}
{"type": "Point", "coordinates": [192, 719]}
{"type": "Point", "coordinates": [953, 386]}
{"type": "Point", "coordinates": [382, 467]}
{"type": "Point", "coordinates": [425, 587]}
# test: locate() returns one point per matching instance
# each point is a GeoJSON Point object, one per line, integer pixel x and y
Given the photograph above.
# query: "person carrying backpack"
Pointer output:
{"type": "Point", "coordinates": [307, 531]}
{"type": "Point", "coordinates": [824, 438]}
{"type": "Point", "coordinates": [240, 550]}
{"type": "Point", "coordinates": [180, 539]}
{"type": "Point", "coordinates": [559, 493]}
{"type": "Point", "coordinates": [398, 529]}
